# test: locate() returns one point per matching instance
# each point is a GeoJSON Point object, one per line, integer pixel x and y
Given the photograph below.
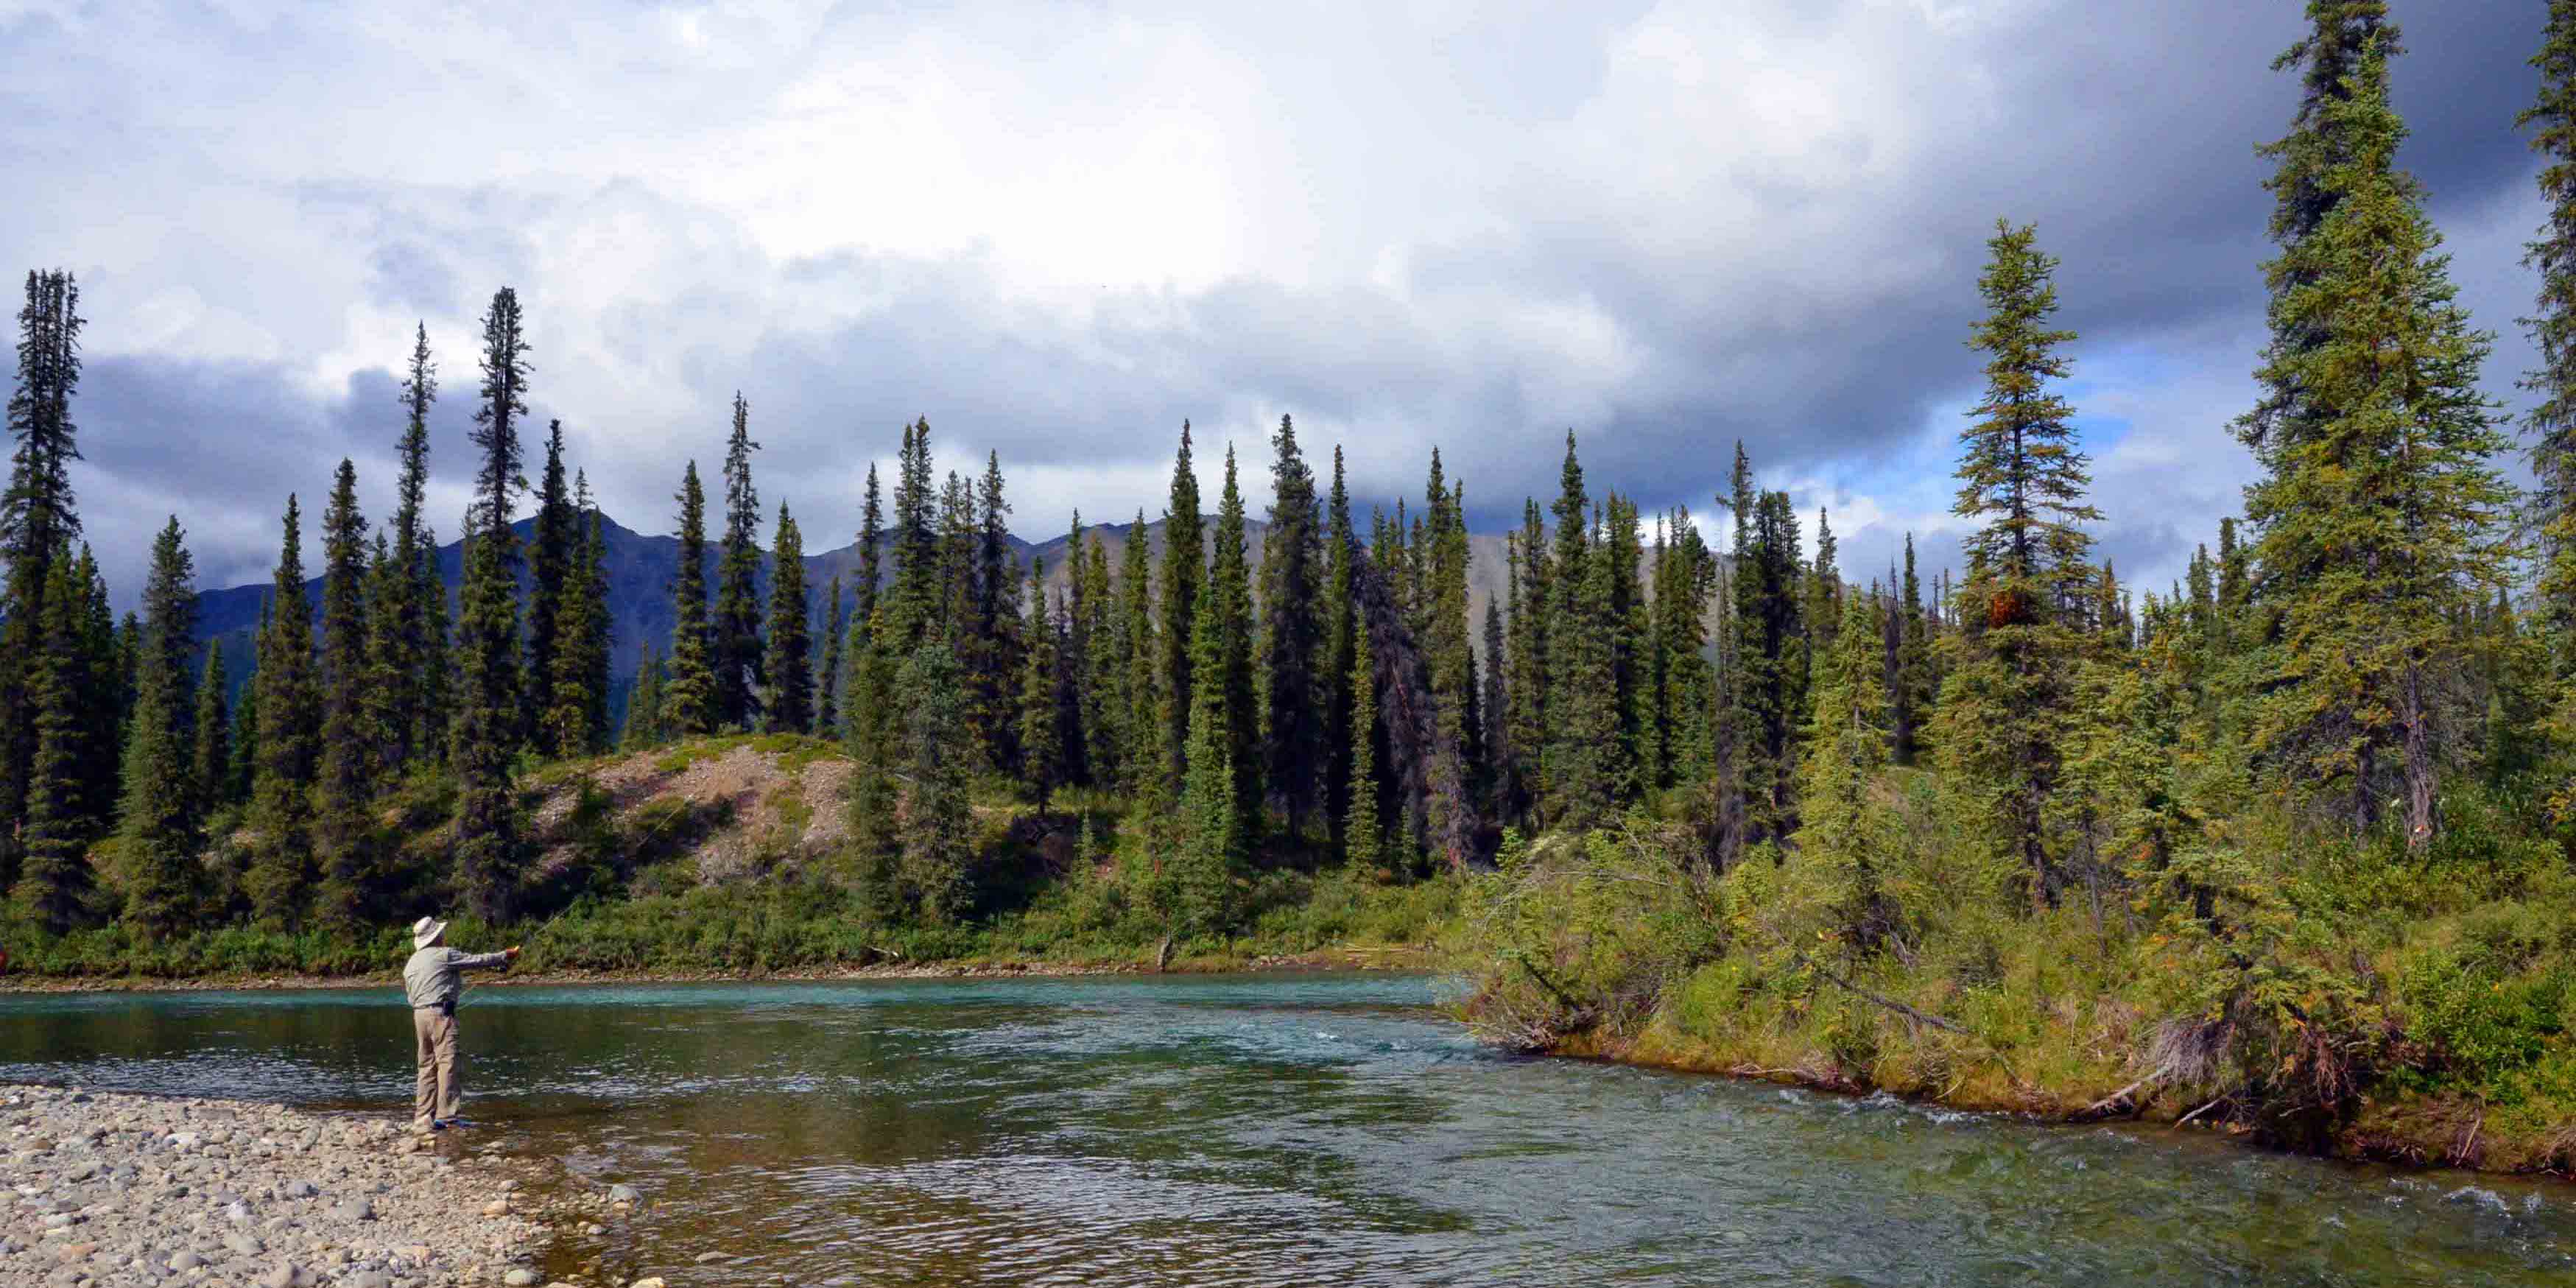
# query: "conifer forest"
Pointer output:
{"type": "Point", "coordinates": [2288, 846]}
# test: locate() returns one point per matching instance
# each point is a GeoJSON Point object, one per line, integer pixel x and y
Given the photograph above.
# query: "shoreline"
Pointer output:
{"type": "Point", "coordinates": [2384, 1137]}
{"type": "Point", "coordinates": [1393, 958]}
{"type": "Point", "coordinates": [127, 1187]}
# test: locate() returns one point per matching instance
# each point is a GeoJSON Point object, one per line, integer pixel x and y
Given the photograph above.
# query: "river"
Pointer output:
{"type": "Point", "coordinates": [1276, 1129]}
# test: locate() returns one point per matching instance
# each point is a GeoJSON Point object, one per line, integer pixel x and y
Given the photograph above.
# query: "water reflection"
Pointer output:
{"type": "Point", "coordinates": [1274, 1131]}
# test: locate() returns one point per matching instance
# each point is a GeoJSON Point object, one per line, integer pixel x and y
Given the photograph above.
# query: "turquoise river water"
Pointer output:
{"type": "Point", "coordinates": [1274, 1129]}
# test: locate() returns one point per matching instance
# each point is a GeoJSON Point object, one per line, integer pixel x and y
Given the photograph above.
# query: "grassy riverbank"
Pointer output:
{"type": "Point", "coordinates": [2352, 1000]}
{"type": "Point", "coordinates": [727, 857]}
{"type": "Point", "coordinates": [1302, 920]}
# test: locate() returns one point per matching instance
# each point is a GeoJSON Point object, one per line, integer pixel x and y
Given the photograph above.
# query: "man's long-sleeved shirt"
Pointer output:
{"type": "Point", "coordinates": [431, 977]}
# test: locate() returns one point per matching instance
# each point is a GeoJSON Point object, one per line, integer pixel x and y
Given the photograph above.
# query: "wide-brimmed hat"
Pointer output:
{"type": "Point", "coordinates": [426, 931]}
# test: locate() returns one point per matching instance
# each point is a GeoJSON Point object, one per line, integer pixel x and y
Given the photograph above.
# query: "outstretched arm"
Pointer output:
{"type": "Point", "coordinates": [484, 961]}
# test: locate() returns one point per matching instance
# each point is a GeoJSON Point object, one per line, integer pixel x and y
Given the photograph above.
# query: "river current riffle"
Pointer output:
{"type": "Point", "coordinates": [1276, 1129]}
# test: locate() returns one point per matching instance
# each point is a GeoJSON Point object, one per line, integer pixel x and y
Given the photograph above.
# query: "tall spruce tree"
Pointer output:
{"type": "Point", "coordinates": [103, 692]}
{"type": "Point", "coordinates": [688, 706]}
{"type": "Point", "coordinates": [994, 643]}
{"type": "Point", "coordinates": [1074, 612]}
{"type": "Point", "coordinates": [1041, 697]}
{"type": "Point", "coordinates": [342, 835]}
{"type": "Point", "coordinates": [1824, 590]}
{"type": "Point", "coordinates": [644, 706]}
{"type": "Point", "coordinates": [244, 769]}
{"type": "Point", "coordinates": [934, 815]}
{"type": "Point", "coordinates": [128, 658]}
{"type": "Point", "coordinates": [39, 519]}
{"type": "Point", "coordinates": [733, 648]}
{"type": "Point", "coordinates": [1532, 606]}
{"type": "Point", "coordinates": [437, 684]}
{"type": "Point", "coordinates": [2304, 194]}
{"type": "Point", "coordinates": [1844, 836]}
{"type": "Point", "coordinates": [2005, 714]}
{"type": "Point", "coordinates": [281, 809]}
{"type": "Point", "coordinates": [914, 601]}
{"type": "Point", "coordinates": [1214, 836]}
{"type": "Point", "coordinates": [871, 574]}
{"type": "Point", "coordinates": [1622, 547]}
{"type": "Point", "coordinates": [863, 632]}
{"type": "Point", "coordinates": [54, 878]}
{"type": "Point", "coordinates": [1683, 689]}
{"type": "Point", "coordinates": [827, 676]}
{"type": "Point", "coordinates": [790, 663]}
{"type": "Point", "coordinates": [577, 724]}
{"type": "Point", "coordinates": [1493, 705]}
{"type": "Point", "coordinates": [160, 825]}
{"type": "Point", "coordinates": [1578, 656]}
{"type": "Point", "coordinates": [1655, 768]}
{"type": "Point", "coordinates": [553, 545]}
{"type": "Point", "coordinates": [2380, 520]}
{"type": "Point", "coordinates": [1768, 696]}
{"type": "Point", "coordinates": [407, 637]}
{"type": "Point", "coordinates": [1363, 835]}
{"type": "Point", "coordinates": [1341, 546]}
{"type": "Point", "coordinates": [1104, 704]}
{"type": "Point", "coordinates": [1184, 567]}
{"type": "Point", "coordinates": [1586, 769]}
{"type": "Point", "coordinates": [1229, 586]}
{"type": "Point", "coordinates": [953, 618]}
{"type": "Point", "coordinates": [1912, 695]}
{"type": "Point", "coordinates": [1452, 659]}
{"type": "Point", "coordinates": [1147, 754]}
{"type": "Point", "coordinates": [1293, 636]}
{"type": "Point", "coordinates": [484, 733]}
{"type": "Point", "coordinates": [211, 754]}
{"type": "Point", "coordinates": [2550, 423]}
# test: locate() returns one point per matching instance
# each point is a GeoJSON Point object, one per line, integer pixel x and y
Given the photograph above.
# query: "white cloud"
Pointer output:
{"type": "Point", "coordinates": [1057, 230]}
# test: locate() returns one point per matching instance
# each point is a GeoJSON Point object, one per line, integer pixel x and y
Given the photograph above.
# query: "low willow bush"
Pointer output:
{"type": "Point", "coordinates": [2319, 993]}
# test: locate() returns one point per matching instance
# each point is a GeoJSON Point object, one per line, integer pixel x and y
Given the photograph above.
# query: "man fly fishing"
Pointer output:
{"type": "Point", "coordinates": [432, 979]}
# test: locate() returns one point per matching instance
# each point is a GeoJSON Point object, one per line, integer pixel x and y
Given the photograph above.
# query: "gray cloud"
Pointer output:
{"type": "Point", "coordinates": [1057, 232]}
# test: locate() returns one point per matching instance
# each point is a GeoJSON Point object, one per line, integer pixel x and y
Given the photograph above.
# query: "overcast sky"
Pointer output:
{"type": "Point", "coordinates": [1057, 229]}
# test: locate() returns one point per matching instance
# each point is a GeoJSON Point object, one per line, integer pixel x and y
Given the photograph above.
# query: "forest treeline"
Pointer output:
{"type": "Point", "coordinates": [2294, 828]}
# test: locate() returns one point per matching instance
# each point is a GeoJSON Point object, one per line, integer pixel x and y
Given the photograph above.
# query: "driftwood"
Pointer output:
{"type": "Point", "coordinates": [2120, 1095]}
{"type": "Point", "coordinates": [2185, 1120]}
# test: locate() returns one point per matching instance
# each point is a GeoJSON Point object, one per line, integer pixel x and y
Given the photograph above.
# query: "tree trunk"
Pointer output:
{"type": "Point", "coordinates": [2365, 807]}
{"type": "Point", "coordinates": [2420, 818]}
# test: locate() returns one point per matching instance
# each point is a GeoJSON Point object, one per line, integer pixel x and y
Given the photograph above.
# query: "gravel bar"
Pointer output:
{"type": "Point", "coordinates": [109, 1190]}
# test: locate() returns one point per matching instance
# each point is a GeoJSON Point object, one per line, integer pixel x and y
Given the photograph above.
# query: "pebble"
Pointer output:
{"type": "Point", "coordinates": [520, 1279]}
{"type": "Point", "coordinates": [151, 1192]}
{"type": "Point", "coordinates": [654, 1281]}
